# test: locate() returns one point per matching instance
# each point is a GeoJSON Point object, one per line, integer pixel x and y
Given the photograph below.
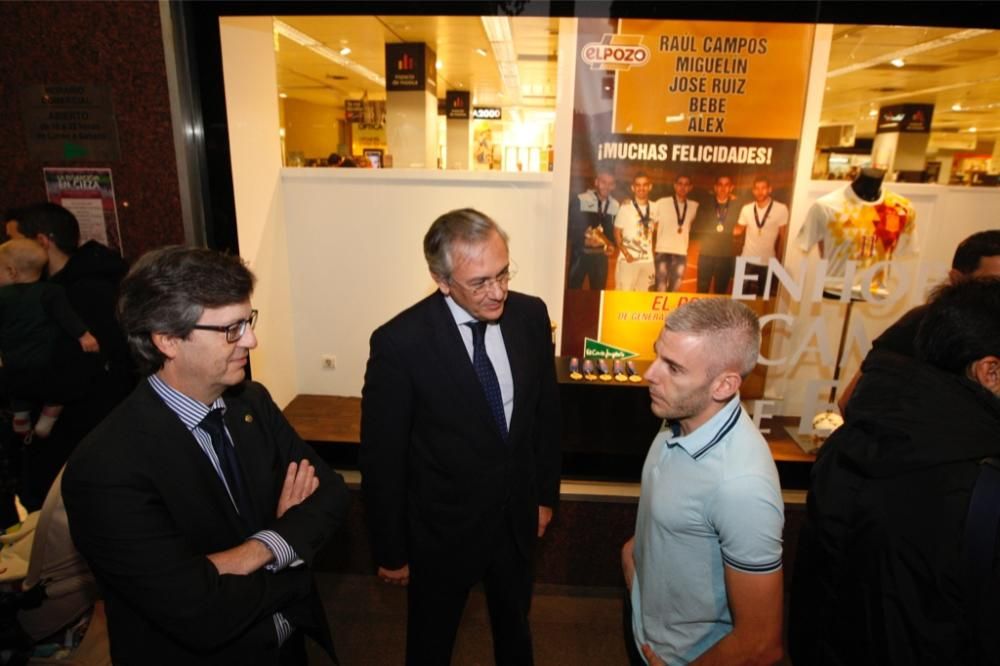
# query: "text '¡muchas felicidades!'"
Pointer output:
{"type": "Point", "coordinates": [655, 151]}
{"type": "Point", "coordinates": [710, 70]}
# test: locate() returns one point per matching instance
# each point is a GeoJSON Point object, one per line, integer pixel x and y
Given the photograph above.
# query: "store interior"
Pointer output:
{"type": "Point", "coordinates": [327, 63]}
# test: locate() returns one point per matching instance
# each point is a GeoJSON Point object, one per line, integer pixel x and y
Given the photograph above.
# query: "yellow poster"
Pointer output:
{"type": "Point", "coordinates": [715, 79]}
{"type": "Point", "coordinates": [632, 320]}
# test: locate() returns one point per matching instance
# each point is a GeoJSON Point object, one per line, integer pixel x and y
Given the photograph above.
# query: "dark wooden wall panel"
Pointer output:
{"type": "Point", "coordinates": [116, 44]}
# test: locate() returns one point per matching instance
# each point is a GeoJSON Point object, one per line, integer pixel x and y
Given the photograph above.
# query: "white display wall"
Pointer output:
{"type": "Point", "coordinates": [350, 247]}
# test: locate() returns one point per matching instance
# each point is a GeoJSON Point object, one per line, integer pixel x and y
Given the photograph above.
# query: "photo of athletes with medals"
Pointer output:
{"type": "Point", "coordinates": [635, 225]}
{"type": "Point", "coordinates": [714, 230]}
{"type": "Point", "coordinates": [591, 232]}
{"type": "Point", "coordinates": [676, 213]}
{"type": "Point", "coordinates": [764, 225]}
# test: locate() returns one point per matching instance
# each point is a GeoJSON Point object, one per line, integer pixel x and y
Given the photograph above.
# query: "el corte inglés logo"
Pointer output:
{"type": "Point", "coordinates": [616, 52]}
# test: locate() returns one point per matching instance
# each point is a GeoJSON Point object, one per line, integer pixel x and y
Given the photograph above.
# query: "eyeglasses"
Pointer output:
{"type": "Point", "coordinates": [481, 286]}
{"type": "Point", "coordinates": [233, 331]}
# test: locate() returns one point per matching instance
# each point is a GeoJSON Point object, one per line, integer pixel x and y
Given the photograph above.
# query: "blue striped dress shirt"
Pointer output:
{"type": "Point", "coordinates": [191, 412]}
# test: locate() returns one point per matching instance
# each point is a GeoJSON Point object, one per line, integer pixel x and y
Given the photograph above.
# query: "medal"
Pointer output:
{"type": "Point", "coordinates": [680, 214]}
{"type": "Point", "coordinates": [720, 214]}
{"type": "Point", "coordinates": [756, 218]}
{"type": "Point", "coordinates": [644, 219]}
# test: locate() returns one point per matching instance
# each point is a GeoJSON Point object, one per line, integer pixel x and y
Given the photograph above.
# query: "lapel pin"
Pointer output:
{"type": "Point", "coordinates": [248, 418]}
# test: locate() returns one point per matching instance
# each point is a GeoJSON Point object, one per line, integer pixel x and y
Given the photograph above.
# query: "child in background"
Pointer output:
{"type": "Point", "coordinates": [35, 320]}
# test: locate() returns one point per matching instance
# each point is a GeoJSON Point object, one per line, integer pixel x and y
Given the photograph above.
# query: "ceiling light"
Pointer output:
{"type": "Point", "coordinates": [897, 62]}
{"type": "Point", "coordinates": [481, 52]}
{"type": "Point", "coordinates": [972, 129]}
{"type": "Point", "coordinates": [498, 32]}
{"type": "Point", "coordinates": [439, 64]}
{"type": "Point", "coordinates": [283, 95]}
{"type": "Point", "coordinates": [345, 51]}
{"type": "Point", "coordinates": [947, 40]}
{"type": "Point", "coordinates": [873, 113]}
{"type": "Point", "coordinates": [299, 37]}
{"type": "Point", "coordinates": [956, 106]}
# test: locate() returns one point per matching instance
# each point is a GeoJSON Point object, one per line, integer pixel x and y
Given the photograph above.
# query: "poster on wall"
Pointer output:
{"type": "Point", "coordinates": [685, 135]}
{"type": "Point", "coordinates": [89, 194]}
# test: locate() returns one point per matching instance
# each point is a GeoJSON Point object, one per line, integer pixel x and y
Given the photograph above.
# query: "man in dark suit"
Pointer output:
{"type": "Point", "coordinates": [460, 442]}
{"type": "Point", "coordinates": [195, 504]}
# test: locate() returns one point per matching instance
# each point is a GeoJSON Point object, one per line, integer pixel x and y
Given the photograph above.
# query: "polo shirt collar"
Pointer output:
{"type": "Point", "coordinates": [710, 433]}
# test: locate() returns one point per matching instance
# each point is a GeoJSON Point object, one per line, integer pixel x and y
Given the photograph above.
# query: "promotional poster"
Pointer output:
{"type": "Point", "coordinates": [685, 136]}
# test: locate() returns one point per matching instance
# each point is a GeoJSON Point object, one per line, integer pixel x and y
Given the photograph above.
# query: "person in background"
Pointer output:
{"type": "Point", "coordinates": [460, 443]}
{"type": "Point", "coordinates": [592, 233]}
{"type": "Point", "coordinates": [978, 256]}
{"type": "Point", "coordinates": [896, 563]}
{"type": "Point", "coordinates": [195, 503]}
{"type": "Point", "coordinates": [676, 215]}
{"type": "Point", "coordinates": [635, 226]}
{"type": "Point", "coordinates": [37, 325]}
{"type": "Point", "coordinates": [704, 569]}
{"type": "Point", "coordinates": [714, 229]}
{"type": "Point", "coordinates": [89, 273]}
{"type": "Point", "coordinates": [763, 223]}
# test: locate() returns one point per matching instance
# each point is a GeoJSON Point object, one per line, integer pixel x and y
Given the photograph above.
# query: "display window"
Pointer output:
{"type": "Point", "coordinates": [816, 171]}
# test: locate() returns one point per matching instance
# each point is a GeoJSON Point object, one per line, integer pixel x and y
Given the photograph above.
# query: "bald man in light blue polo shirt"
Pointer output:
{"type": "Point", "coordinates": [704, 566]}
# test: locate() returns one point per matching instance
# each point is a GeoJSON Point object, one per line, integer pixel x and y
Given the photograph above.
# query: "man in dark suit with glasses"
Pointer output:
{"type": "Point", "coordinates": [460, 442]}
{"type": "Point", "coordinates": [195, 504]}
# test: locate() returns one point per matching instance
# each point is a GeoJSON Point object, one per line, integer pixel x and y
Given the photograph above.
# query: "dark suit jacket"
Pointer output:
{"type": "Point", "coordinates": [437, 478]}
{"type": "Point", "coordinates": [145, 508]}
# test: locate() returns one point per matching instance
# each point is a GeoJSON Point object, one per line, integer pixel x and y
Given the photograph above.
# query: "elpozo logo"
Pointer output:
{"type": "Point", "coordinates": [616, 52]}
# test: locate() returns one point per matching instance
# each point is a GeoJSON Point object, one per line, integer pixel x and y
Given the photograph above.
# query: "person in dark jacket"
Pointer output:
{"type": "Point", "coordinates": [89, 274]}
{"type": "Point", "coordinates": [879, 575]}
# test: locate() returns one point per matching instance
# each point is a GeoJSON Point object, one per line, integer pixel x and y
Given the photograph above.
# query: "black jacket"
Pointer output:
{"type": "Point", "coordinates": [878, 575]}
{"type": "Point", "coordinates": [145, 507]}
{"type": "Point", "coordinates": [436, 476]}
{"type": "Point", "coordinates": [91, 278]}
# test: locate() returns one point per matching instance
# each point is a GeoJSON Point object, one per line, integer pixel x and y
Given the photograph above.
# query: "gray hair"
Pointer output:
{"type": "Point", "coordinates": [730, 327]}
{"type": "Point", "coordinates": [464, 225]}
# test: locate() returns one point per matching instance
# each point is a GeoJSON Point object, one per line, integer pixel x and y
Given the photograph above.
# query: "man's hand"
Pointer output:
{"type": "Point", "coordinates": [242, 560]}
{"type": "Point", "coordinates": [544, 518]}
{"type": "Point", "coordinates": [89, 343]}
{"type": "Point", "coordinates": [300, 483]}
{"type": "Point", "coordinates": [628, 562]}
{"type": "Point", "coordinates": [651, 657]}
{"type": "Point", "coordinates": [395, 576]}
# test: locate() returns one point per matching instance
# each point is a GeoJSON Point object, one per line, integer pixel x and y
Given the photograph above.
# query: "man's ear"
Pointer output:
{"type": "Point", "coordinates": [44, 241]}
{"type": "Point", "coordinates": [726, 385]}
{"type": "Point", "coordinates": [442, 283]}
{"type": "Point", "coordinates": [986, 372]}
{"type": "Point", "coordinates": [167, 344]}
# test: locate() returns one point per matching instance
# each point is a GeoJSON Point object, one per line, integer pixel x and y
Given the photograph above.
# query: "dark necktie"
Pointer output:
{"type": "Point", "coordinates": [487, 376]}
{"type": "Point", "coordinates": [230, 464]}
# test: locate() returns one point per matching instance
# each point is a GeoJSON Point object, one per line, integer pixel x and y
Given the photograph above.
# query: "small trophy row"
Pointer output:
{"type": "Point", "coordinates": [622, 371]}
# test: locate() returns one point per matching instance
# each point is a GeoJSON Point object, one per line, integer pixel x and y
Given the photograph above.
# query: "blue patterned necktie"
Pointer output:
{"type": "Point", "coordinates": [214, 426]}
{"type": "Point", "coordinates": [487, 376]}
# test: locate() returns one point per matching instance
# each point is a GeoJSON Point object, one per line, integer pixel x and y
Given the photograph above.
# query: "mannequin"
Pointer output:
{"type": "Point", "coordinates": [868, 184]}
{"type": "Point", "coordinates": [861, 223]}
